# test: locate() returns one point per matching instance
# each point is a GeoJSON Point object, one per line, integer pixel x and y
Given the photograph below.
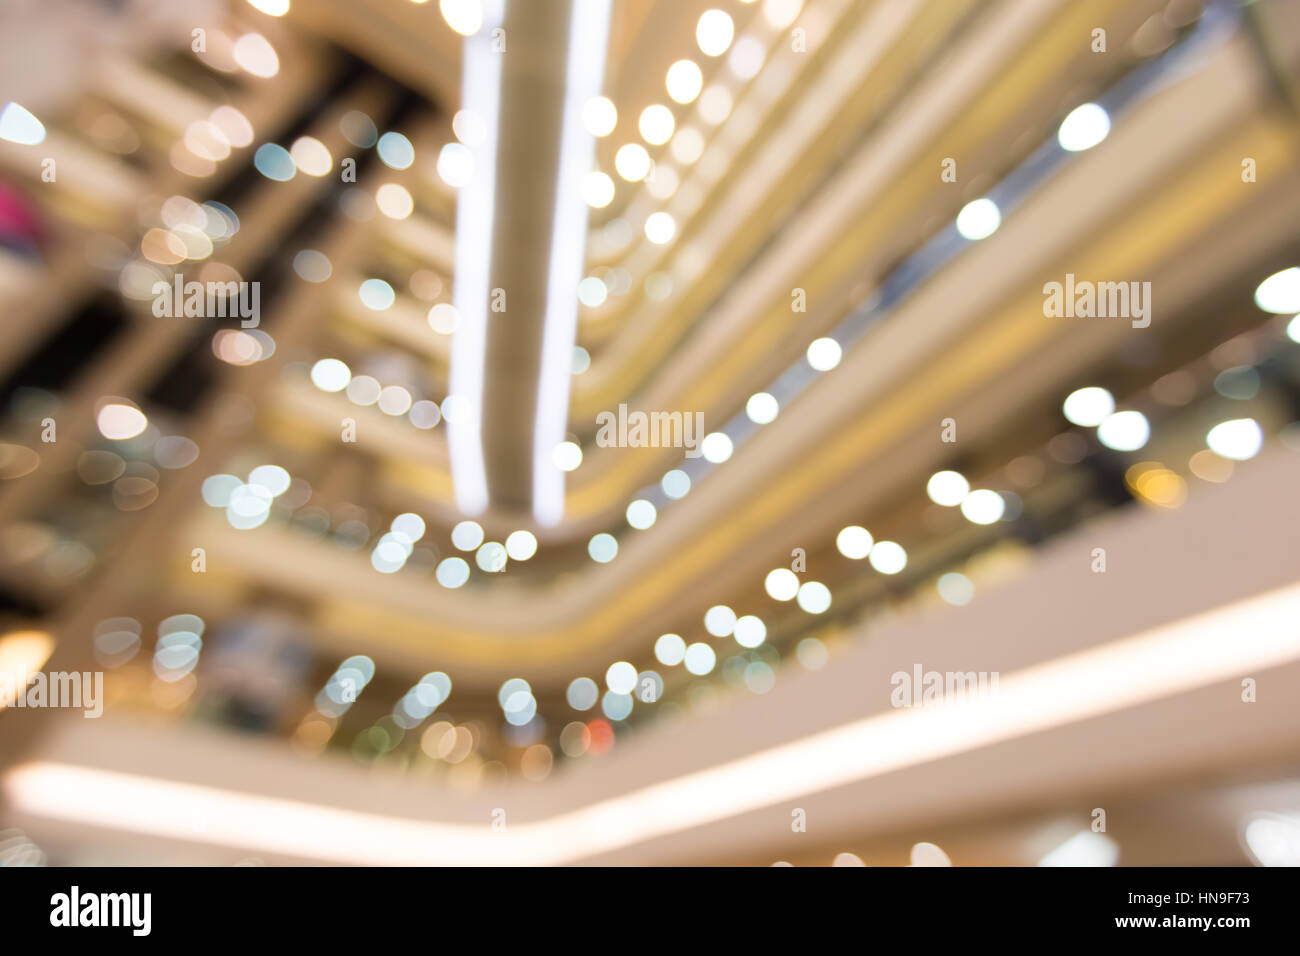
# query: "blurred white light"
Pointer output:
{"type": "Point", "coordinates": [781, 584]}
{"type": "Point", "coordinates": [567, 456]}
{"type": "Point", "coordinates": [376, 294]}
{"type": "Point", "coordinates": [425, 414]}
{"type": "Point", "coordinates": [1280, 292]}
{"type": "Point", "coordinates": [641, 514]}
{"type": "Point", "coordinates": [632, 162]}
{"type": "Point", "coordinates": [598, 189]}
{"type": "Point", "coordinates": [824, 354]}
{"type": "Point", "coordinates": [660, 228]}
{"type": "Point", "coordinates": [311, 156]}
{"type": "Point", "coordinates": [511, 690]}
{"type": "Point", "coordinates": [469, 128]}
{"type": "Point", "coordinates": [814, 597]}
{"type": "Point", "coordinates": [394, 201]}
{"type": "Point", "coordinates": [463, 16]}
{"type": "Point", "coordinates": [927, 854]}
{"type": "Point", "coordinates": [452, 572]}
{"type": "Point", "coordinates": [467, 535]}
{"type": "Point", "coordinates": [719, 620]}
{"type": "Point", "coordinates": [444, 318]}
{"type": "Point", "coordinates": [1273, 839]}
{"type": "Point", "coordinates": [592, 292]}
{"type": "Point", "coordinates": [1083, 128]}
{"type": "Point", "coordinates": [621, 678]}
{"type": "Point", "coordinates": [272, 8]}
{"type": "Point", "coordinates": [955, 588]}
{"type": "Point", "coordinates": [118, 422]}
{"type": "Point", "coordinates": [1089, 406]}
{"type": "Point", "coordinates": [233, 124]}
{"type": "Point", "coordinates": [656, 124]}
{"type": "Point", "coordinates": [255, 55]}
{"type": "Point", "coordinates": [312, 265]}
{"type": "Point", "coordinates": [670, 649]}
{"type": "Point", "coordinates": [491, 557]}
{"type": "Point", "coordinates": [781, 13]}
{"type": "Point", "coordinates": [1124, 431]}
{"type": "Point", "coordinates": [616, 706]}
{"type": "Point", "coordinates": [271, 477]}
{"type": "Point", "coordinates": [762, 408]}
{"type": "Point", "coordinates": [978, 219]}
{"type": "Point", "coordinates": [603, 548]}
{"type": "Point", "coordinates": [394, 400]}
{"type": "Point", "coordinates": [217, 490]}
{"type": "Point", "coordinates": [599, 116]}
{"type": "Point", "coordinates": [364, 390]}
{"type": "Point", "coordinates": [18, 125]}
{"type": "Point", "coordinates": [983, 506]}
{"type": "Point", "coordinates": [395, 150]}
{"type": "Point", "coordinates": [1085, 848]}
{"type": "Point", "coordinates": [746, 57]}
{"type": "Point", "coordinates": [582, 693]}
{"type": "Point", "coordinates": [581, 360]}
{"type": "Point", "coordinates": [715, 104]}
{"type": "Point", "coordinates": [713, 32]}
{"type": "Point", "coordinates": [684, 81]}
{"type": "Point", "coordinates": [716, 447]}
{"type": "Point", "coordinates": [409, 525]}
{"type": "Point", "coordinates": [456, 165]}
{"type": "Point", "coordinates": [584, 75]}
{"type": "Point", "coordinates": [454, 409]}
{"type": "Point", "coordinates": [947, 488]}
{"type": "Point", "coordinates": [1239, 439]}
{"type": "Point", "coordinates": [521, 545]}
{"type": "Point", "coordinates": [699, 659]}
{"type": "Point", "coordinates": [750, 631]}
{"type": "Point", "coordinates": [687, 146]}
{"type": "Point", "coordinates": [675, 483]}
{"type": "Point", "coordinates": [888, 557]}
{"type": "Point", "coordinates": [854, 542]}
{"type": "Point", "coordinates": [664, 182]}
{"type": "Point", "coordinates": [205, 139]}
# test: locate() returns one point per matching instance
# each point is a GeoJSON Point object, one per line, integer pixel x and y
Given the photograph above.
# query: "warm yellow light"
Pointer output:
{"type": "Point", "coordinates": [22, 654]}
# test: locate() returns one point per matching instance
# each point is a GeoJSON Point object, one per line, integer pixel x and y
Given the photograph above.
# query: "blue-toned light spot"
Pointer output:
{"type": "Point", "coordinates": [396, 150]}
{"type": "Point", "coordinates": [274, 162]}
{"type": "Point", "coordinates": [377, 294]}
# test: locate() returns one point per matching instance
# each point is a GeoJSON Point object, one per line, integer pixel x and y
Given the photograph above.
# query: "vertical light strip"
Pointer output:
{"type": "Point", "coordinates": [475, 206]}
{"type": "Point", "coordinates": [584, 77]}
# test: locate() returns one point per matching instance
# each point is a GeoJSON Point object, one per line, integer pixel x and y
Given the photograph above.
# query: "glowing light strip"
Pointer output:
{"type": "Point", "coordinates": [584, 77]}
{"type": "Point", "coordinates": [1244, 637]}
{"type": "Point", "coordinates": [475, 205]}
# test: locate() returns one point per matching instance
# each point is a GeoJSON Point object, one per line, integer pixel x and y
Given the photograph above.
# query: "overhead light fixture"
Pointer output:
{"type": "Point", "coordinates": [475, 206]}
{"type": "Point", "coordinates": [584, 75]}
